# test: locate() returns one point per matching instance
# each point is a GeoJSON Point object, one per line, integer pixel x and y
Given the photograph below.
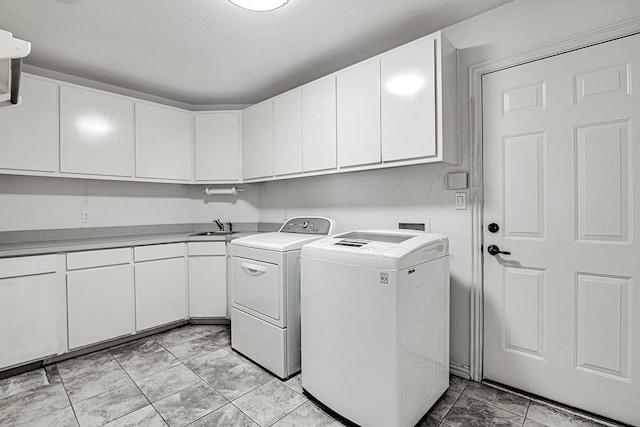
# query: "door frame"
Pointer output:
{"type": "Point", "coordinates": [476, 187]}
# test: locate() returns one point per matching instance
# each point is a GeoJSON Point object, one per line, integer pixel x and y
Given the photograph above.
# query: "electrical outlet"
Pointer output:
{"type": "Point", "coordinates": [86, 218]}
{"type": "Point", "coordinates": [285, 215]}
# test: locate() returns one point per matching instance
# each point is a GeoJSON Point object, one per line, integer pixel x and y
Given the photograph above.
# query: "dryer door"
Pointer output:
{"type": "Point", "coordinates": [257, 288]}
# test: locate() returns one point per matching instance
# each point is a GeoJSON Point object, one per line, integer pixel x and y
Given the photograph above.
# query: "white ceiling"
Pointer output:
{"type": "Point", "coordinates": [204, 52]}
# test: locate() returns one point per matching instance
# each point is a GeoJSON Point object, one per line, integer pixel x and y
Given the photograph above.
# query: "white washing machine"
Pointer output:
{"type": "Point", "coordinates": [375, 324]}
{"type": "Point", "coordinates": [265, 293]}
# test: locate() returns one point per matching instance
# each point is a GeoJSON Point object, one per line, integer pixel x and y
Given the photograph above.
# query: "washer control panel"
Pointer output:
{"type": "Point", "coordinates": [308, 225]}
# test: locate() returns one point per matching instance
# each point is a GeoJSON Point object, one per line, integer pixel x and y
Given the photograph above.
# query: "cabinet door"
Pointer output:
{"type": "Point", "coordinates": [409, 101]}
{"type": "Point", "coordinates": [257, 141]}
{"type": "Point", "coordinates": [160, 292]}
{"type": "Point", "coordinates": [319, 125]}
{"type": "Point", "coordinates": [96, 133]}
{"type": "Point", "coordinates": [99, 304]}
{"type": "Point", "coordinates": [217, 146]}
{"type": "Point", "coordinates": [163, 142]}
{"type": "Point", "coordinates": [359, 114]}
{"type": "Point", "coordinates": [30, 130]}
{"type": "Point", "coordinates": [208, 286]}
{"type": "Point", "coordinates": [28, 318]}
{"type": "Point", "coordinates": [287, 133]}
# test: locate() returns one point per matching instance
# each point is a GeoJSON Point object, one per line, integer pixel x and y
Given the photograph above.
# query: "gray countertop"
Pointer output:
{"type": "Point", "coordinates": [40, 242]}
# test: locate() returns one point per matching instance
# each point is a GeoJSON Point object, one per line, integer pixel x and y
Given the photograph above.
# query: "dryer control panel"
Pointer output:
{"type": "Point", "coordinates": [308, 225]}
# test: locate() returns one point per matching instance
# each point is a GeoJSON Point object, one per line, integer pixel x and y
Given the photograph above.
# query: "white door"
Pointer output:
{"type": "Point", "coordinates": [562, 311]}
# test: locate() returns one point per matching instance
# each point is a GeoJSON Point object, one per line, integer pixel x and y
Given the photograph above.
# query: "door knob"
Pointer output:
{"type": "Point", "coordinates": [494, 250]}
{"type": "Point", "coordinates": [493, 227]}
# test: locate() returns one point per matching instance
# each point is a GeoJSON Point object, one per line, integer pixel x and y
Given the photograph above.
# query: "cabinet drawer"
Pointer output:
{"type": "Point", "coordinates": [207, 248]}
{"type": "Point", "coordinates": [27, 266]}
{"type": "Point", "coordinates": [99, 258]}
{"type": "Point", "coordinates": [152, 252]}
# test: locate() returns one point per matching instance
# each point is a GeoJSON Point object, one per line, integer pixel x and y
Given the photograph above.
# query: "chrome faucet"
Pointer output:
{"type": "Point", "coordinates": [219, 224]}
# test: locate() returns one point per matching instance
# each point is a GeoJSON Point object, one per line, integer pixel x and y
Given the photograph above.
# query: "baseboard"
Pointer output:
{"type": "Point", "coordinates": [459, 370]}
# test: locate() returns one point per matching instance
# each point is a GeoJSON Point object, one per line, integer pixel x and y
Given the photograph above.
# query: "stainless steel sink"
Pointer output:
{"type": "Point", "coordinates": [214, 233]}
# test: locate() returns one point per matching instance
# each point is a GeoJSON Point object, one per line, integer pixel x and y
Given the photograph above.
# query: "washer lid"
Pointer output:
{"type": "Point", "coordinates": [276, 241]}
{"type": "Point", "coordinates": [293, 234]}
{"type": "Point", "coordinates": [388, 249]}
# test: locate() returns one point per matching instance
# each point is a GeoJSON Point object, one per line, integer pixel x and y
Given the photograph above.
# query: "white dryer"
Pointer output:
{"type": "Point", "coordinates": [375, 324]}
{"type": "Point", "coordinates": [265, 293]}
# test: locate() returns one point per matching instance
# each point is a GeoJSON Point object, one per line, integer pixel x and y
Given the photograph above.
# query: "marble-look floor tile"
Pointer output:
{"type": "Point", "coordinates": [555, 417]}
{"type": "Point", "coordinates": [53, 374]}
{"type": "Point", "coordinates": [457, 384]}
{"type": "Point", "coordinates": [61, 418]}
{"type": "Point", "coordinates": [205, 330]}
{"type": "Point", "coordinates": [468, 411]}
{"type": "Point", "coordinates": [295, 383]}
{"type": "Point", "coordinates": [91, 375]}
{"type": "Point", "coordinates": [239, 380]}
{"type": "Point", "coordinates": [22, 408]}
{"type": "Point", "coordinates": [221, 338]}
{"type": "Point", "coordinates": [23, 382]}
{"type": "Point", "coordinates": [226, 416]}
{"type": "Point", "coordinates": [308, 414]}
{"type": "Point", "coordinates": [176, 336]}
{"type": "Point", "coordinates": [108, 406]}
{"type": "Point", "coordinates": [213, 364]}
{"type": "Point", "coordinates": [193, 349]}
{"type": "Point", "coordinates": [190, 404]}
{"type": "Point", "coordinates": [147, 417]}
{"type": "Point", "coordinates": [428, 422]}
{"type": "Point", "coordinates": [502, 399]}
{"type": "Point", "coordinates": [270, 402]}
{"type": "Point", "coordinates": [167, 382]}
{"type": "Point", "coordinates": [444, 405]}
{"type": "Point", "coordinates": [530, 423]}
{"type": "Point", "coordinates": [144, 358]}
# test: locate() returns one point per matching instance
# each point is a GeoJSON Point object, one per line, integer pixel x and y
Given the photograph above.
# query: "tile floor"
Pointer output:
{"type": "Point", "coordinates": [190, 376]}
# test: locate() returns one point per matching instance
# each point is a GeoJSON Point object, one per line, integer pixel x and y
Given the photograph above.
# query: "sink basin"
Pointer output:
{"type": "Point", "coordinates": [214, 233]}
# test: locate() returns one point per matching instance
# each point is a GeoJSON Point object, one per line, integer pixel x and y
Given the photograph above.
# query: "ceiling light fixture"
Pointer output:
{"type": "Point", "coordinates": [259, 5]}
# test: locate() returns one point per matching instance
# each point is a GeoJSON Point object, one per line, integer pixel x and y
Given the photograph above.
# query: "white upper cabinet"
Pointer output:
{"type": "Point", "coordinates": [30, 130]}
{"type": "Point", "coordinates": [358, 96]}
{"type": "Point", "coordinates": [419, 107]}
{"type": "Point", "coordinates": [257, 141]}
{"type": "Point", "coordinates": [287, 133]}
{"type": "Point", "coordinates": [319, 125]}
{"type": "Point", "coordinates": [163, 142]}
{"type": "Point", "coordinates": [96, 133]}
{"type": "Point", "coordinates": [217, 149]}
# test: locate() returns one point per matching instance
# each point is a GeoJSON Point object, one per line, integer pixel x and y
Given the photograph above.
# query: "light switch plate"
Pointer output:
{"type": "Point", "coordinates": [461, 201]}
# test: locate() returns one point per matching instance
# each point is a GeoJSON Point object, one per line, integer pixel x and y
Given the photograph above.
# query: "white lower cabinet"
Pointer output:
{"type": "Point", "coordinates": [207, 279]}
{"type": "Point", "coordinates": [28, 309]}
{"type": "Point", "coordinates": [99, 296]}
{"type": "Point", "coordinates": [161, 284]}
{"type": "Point", "coordinates": [100, 304]}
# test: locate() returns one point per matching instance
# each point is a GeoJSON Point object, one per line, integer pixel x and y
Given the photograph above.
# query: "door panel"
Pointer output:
{"type": "Point", "coordinates": [559, 181]}
{"type": "Point", "coordinates": [256, 287]}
